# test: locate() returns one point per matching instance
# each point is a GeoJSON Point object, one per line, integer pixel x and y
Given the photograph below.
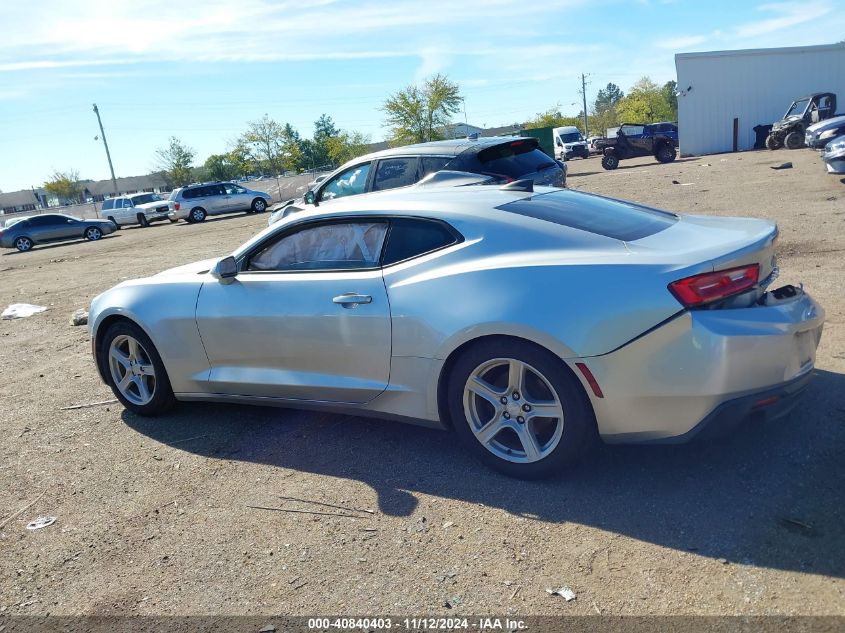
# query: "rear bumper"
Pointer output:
{"type": "Point", "coordinates": [706, 368]}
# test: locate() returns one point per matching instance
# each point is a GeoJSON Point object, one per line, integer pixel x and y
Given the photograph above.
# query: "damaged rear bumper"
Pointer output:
{"type": "Point", "coordinates": [708, 368]}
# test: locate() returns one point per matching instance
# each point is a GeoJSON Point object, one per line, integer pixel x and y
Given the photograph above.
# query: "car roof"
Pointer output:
{"type": "Point", "coordinates": [449, 147]}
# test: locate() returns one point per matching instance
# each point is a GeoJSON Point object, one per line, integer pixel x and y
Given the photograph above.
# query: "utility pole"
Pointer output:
{"type": "Point", "coordinates": [584, 97]}
{"type": "Point", "coordinates": [103, 134]}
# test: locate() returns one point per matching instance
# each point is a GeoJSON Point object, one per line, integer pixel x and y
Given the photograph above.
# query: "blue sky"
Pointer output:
{"type": "Point", "coordinates": [200, 70]}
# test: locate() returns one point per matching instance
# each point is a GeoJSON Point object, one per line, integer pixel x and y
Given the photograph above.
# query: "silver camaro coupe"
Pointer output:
{"type": "Point", "coordinates": [528, 321]}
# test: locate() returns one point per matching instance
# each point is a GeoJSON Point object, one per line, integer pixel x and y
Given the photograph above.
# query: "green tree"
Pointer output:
{"type": "Point", "coordinates": [176, 160]}
{"type": "Point", "coordinates": [670, 93]}
{"type": "Point", "coordinates": [417, 114]}
{"type": "Point", "coordinates": [607, 97]}
{"type": "Point", "coordinates": [221, 167]}
{"type": "Point", "coordinates": [315, 152]}
{"type": "Point", "coordinates": [644, 103]}
{"type": "Point", "coordinates": [345, 146]}
{"type": "Point", "coordinates": [553, 118]}
{"type": "Point", "coordinates": [65, 186]}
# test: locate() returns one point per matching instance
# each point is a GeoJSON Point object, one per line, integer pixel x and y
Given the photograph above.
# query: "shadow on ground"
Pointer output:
{"type": "Point", "coordinates": [771, 495]}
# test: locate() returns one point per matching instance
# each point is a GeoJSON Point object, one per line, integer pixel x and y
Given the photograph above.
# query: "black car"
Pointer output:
{"type": "Point", "coordinates": [504, 159]}
{"type": "Point", "coordinates": [638, 139]}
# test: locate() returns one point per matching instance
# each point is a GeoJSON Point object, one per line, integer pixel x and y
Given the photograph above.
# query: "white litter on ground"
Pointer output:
{"type": "Point", "coordinates": [22, 310]}
{"type": "Point", "coordinates": [40, 522]}
{"type": "Point", "coordinates": [564, 592]}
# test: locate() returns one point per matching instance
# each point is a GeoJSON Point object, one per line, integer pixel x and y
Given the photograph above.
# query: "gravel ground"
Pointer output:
{"type": "Point", "coordinates": [153, 516]}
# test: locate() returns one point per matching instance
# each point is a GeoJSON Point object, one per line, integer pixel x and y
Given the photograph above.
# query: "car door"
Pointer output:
{"type": "Point", "coordinates": [236, 198]}
{"type": "Point", "coordinates": [215, 199]}
{"type": "Point", "coordinates": [307, 318]}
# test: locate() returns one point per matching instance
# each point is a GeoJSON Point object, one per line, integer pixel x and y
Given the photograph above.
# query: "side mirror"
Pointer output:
{"type": "Point", "coordinates": [557, 142]}
{"type": "Point", "coordinates": [310, 198]}
{"type": "Point", "coordinates": [225, 270]}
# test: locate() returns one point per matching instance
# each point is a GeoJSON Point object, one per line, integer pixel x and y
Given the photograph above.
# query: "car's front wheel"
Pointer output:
{"type": "Point", "coordinates": [135, 371]}
{"type": "Point", "coordinates": [259, 205]}
{"type": "Point", "coordinates": [773, 142]}
{"type": "Point", "coordinates": [519, 408]}
{"type": "Point", "coordinates": [794, 140]}
{"type": "Point", "coordinates": [610, 162]}
{"type": "Point", "coordinates": [143, 221]}
{"type": "Point", "coordinates": [92, 234]}
{"type": "Point", "coordinates": [23, 244]}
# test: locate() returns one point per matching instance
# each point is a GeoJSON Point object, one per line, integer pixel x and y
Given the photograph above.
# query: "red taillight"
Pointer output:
{"type": "Point", "coordinates": [176, 205]}
{"type": "Point", "coordinates": [701, 289]}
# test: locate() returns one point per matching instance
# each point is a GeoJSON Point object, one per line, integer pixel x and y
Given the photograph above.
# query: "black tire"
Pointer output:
{"type": "Point", "coordinates": [666, 153]}
{"type": "Point", "coordinates": [773, 142]}
{"type": "Point", "coordinates": [610, 162]}
{"type": "Point", "coordinates": [24, 244]}
{"type": "Point", "coordinates": [578, 424]}
{"type": "Point", "coordinates": [162, 397]}
{"type": "Point", "coordinates": [92, 234]}
{"type": "Point", "coordinates": [197, 215]}
{"type": "Point", "coordinates": [173, 220]}
{"type": "Point", "coordinates": [143, 221]}
{"type": "Point", "coordinates": [113, 221]}
{"type": "Point", "coordinates": [794, 140]}
{"type": "Point", "coordinates": [259, 205]}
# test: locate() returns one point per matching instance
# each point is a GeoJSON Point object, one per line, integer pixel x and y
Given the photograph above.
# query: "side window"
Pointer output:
{"type": "Point", "coordinates": [349, 183]}
{"type": "Point", "coordinates": [127, 203]}
{"type": "Point", "coordinates": [187, 194]}
{"type": "Point", "coordinates": [346, 246]}
{"type": "Point", "coordinates": [410, 237]}
{"type": "Point", "coordinates": [108, 205]}
{"type": "Point", "coordinates": [44, 220]}
{"type": "Point", "coordinates": [232, 189]}
{"type": "Point", "coordinates": [432, 164]}
{"type": "Point", "coordinates": [395, 172]}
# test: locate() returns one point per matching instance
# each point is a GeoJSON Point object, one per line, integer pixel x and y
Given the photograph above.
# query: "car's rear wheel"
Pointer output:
{"type": "Point", "coordinates": [113, 221]}
{"type": "Point", "coordinates": [197, 215]}
{"type": "Point", "coordinates": [135, 371]}
{"type": "Point", "coordinates": [92, 234]}
{"type": "Point", "coordinates": [610, 162]}
{"type": "Point", "coordinates": [259, 205]}
{"type": "Point", "coordinates": [519, 408]}
{"type": "Point", "coordinates": [794, 140]}
{"type": "Point", "coordinates": [773, 141]}
{"type": "Point", "coordinates": [666, 154]}
{"type": "Point", "coordinates": [142, 220]}
{"type": "Point", "coordinates": [23, 244]}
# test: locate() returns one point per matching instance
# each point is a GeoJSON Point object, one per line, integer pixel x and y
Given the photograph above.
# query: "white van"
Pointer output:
{"type": "Point", "coordinates": [137, 208]}
{"type": "Point", "coordinates": [569, 143]}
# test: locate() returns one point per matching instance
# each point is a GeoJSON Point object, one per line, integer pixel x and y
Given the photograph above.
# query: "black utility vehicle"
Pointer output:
{"type": "Point", "coordinates": [634, 140]}
{"type": "Point", "coordinates": [789, 131]}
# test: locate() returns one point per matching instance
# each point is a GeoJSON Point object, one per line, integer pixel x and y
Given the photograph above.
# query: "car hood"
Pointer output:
{"type": "Point", "coordinates": [197, 267]}
{"type": "Point", "coordinates": [821, 126]}
{"type": "Point", "coordinates": [152, 205]}
{"type": "Point", "coordinates": [787, 121]}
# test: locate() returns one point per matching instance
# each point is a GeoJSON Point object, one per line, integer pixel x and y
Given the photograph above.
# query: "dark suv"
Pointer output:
{"type": "Point", "coordinates": [504, 159]}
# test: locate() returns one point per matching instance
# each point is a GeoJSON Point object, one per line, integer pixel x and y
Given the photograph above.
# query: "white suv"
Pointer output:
{"type": "Point", "coordinates": [195, 202]}
{"type": "Point", "coordinates": [138, 208]}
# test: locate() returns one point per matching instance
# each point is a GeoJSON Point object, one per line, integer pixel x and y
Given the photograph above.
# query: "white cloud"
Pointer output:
{"type": "Point", "coordinates": [58, 34]}
{"type": "Point", "coordinates": [790, 14]}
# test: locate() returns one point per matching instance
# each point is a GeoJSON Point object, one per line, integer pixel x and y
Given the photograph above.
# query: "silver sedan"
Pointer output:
{"type": "Point", "coordinates": [526, 321]}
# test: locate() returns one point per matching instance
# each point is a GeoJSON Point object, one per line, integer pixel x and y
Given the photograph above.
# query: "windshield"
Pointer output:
{"type": "Point", "coordinates": [145, 198]}
{"type": "Point", "coordinates": [572, 137]}
{"type": "Point", "coordinates": [798, 107]}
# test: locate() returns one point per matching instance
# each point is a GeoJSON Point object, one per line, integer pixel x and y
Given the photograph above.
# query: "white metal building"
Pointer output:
{"type": "Point", "coordinates": [754, 86]}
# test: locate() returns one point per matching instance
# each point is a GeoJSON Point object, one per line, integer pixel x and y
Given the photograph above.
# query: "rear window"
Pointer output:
{"type": "Point", "coordinates": [514, 159]}
{"type": "Point", "coordinates": [616, 219]}
{"type": "Point", "coordinates": [410, 237]}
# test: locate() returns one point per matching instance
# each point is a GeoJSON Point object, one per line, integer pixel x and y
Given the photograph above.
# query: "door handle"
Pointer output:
{"type": "Point", "coordinates": [350, 299]}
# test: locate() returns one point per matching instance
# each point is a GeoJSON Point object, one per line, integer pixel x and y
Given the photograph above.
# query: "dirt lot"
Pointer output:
{"type": "Point", "coordinates": [153, 515]}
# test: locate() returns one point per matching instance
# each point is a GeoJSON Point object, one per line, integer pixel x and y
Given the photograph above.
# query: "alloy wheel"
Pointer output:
{"type": "Point", "coordinates": [23, 244]}
{"type": "Point", "coordinates": [132, 369]}
{"type": "Point", "coordinates": [513, 410]}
